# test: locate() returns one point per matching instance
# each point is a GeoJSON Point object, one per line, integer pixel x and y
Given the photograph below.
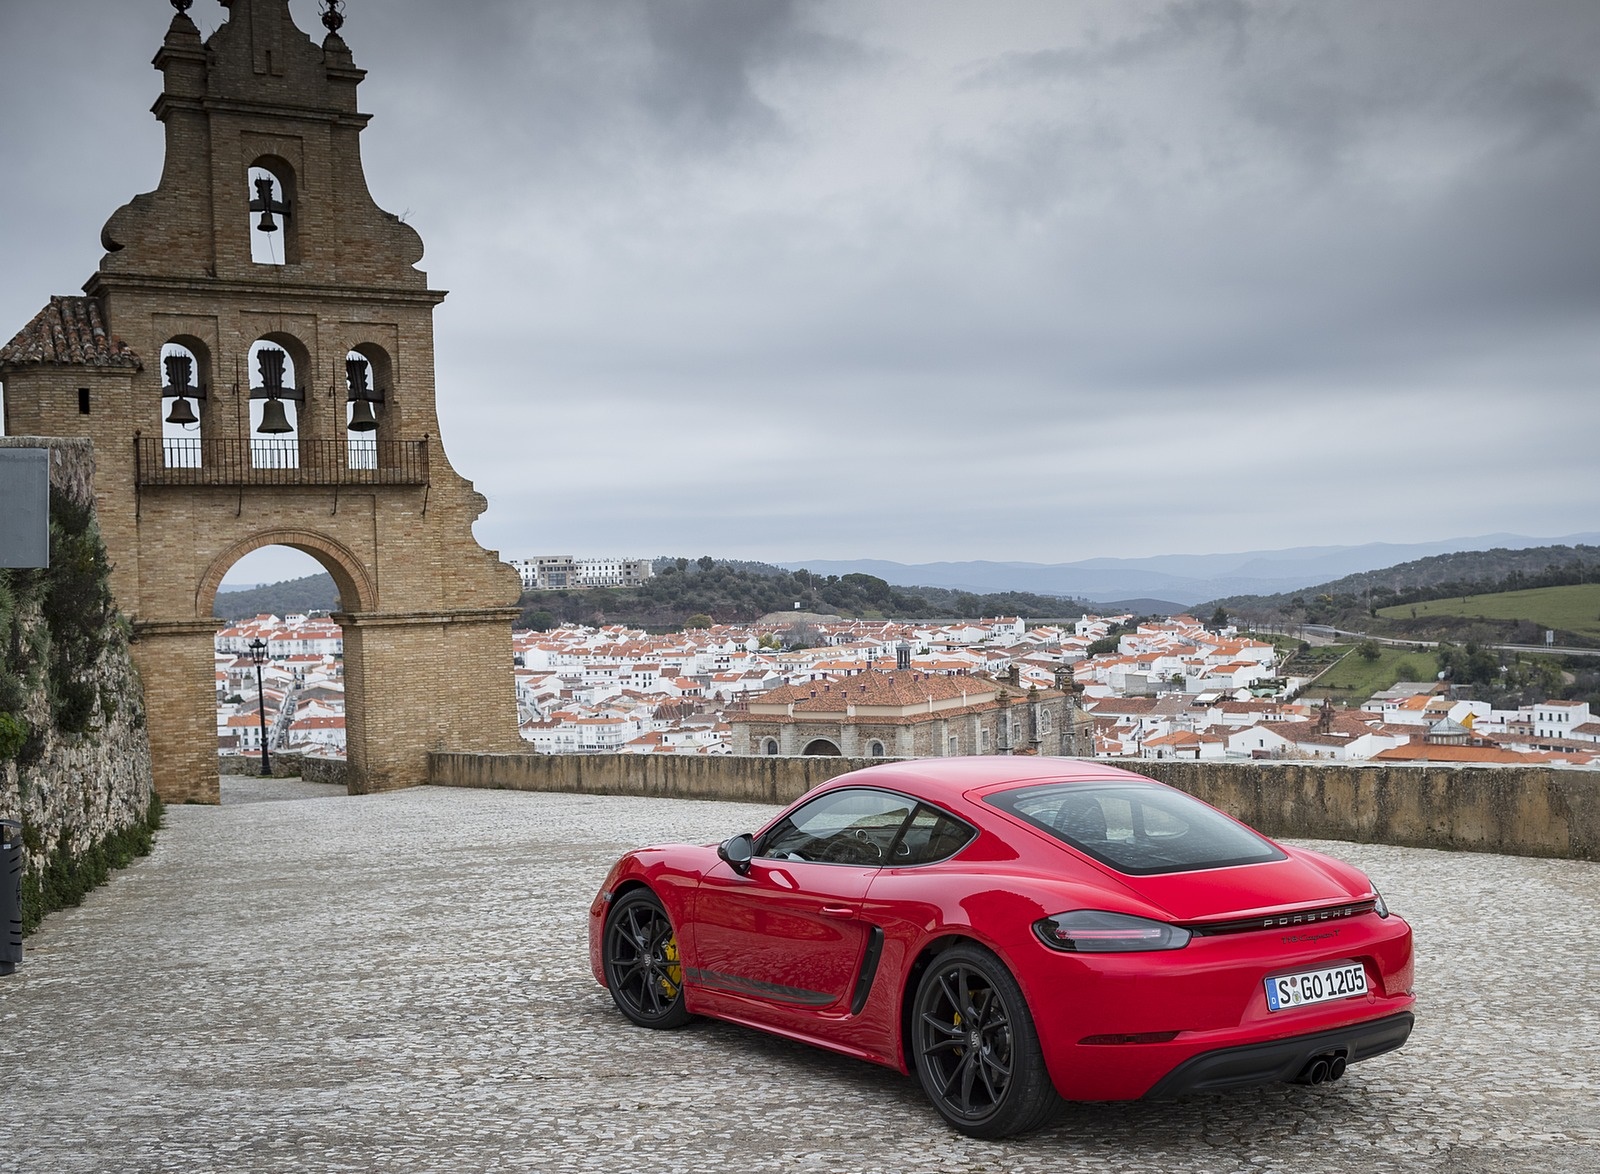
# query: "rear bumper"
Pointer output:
{"type": "Point", "coordinates": [1281, 1059]}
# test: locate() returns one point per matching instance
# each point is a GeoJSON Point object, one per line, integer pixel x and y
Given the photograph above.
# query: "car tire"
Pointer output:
{"type": "Point", "coordinates": [976, 1052]}
{"type": "Point", "coordinates": [643, 970]}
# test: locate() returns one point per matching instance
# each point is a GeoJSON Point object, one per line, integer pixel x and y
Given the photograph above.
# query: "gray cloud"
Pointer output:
{"type": "Point", "coordinates": [946, 280]}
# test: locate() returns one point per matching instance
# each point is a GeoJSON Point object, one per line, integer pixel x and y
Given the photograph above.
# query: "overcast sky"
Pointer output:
{"type": "Point", "coordinates": [922, 280]}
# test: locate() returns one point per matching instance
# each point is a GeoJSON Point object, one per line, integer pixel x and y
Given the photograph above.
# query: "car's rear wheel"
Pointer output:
{"type": "Point", "coordinates": [977, 1054]}
{"type": "Point", "coordinates": [643, 970]}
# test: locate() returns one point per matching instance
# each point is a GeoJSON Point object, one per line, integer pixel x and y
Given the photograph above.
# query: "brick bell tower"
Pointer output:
{"type": "Point", "coordinates": [254, 363]}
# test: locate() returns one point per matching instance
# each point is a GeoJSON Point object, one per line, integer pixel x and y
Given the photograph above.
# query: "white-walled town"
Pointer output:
{"type": "Point", "coordinates": [1174, 689]}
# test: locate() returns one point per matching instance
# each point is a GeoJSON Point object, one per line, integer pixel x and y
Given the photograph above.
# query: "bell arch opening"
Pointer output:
{"type": "Point", "coordinates": [369, 415]}
{"type": "Point", "coordinates": [185, 400]}
{"type": "Point", "coordinates": [272, 212]}
{"type": "Point", "coordinates": [276, 398]}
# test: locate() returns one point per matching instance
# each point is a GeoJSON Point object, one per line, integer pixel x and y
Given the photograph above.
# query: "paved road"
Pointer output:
{"type": "Point", "coordinates": [301, 980]}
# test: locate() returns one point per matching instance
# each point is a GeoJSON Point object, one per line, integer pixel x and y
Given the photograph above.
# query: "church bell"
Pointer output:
{"type": "Point", "coordinates": [182, 414]}
{"type": "Point", "coordinates": [274, 420]}
{"type": "Point", "coordinates": [361, 416]}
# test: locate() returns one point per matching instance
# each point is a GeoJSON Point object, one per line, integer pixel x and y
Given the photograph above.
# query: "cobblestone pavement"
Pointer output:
{"type": "Point", "coordinates": [302, 980]}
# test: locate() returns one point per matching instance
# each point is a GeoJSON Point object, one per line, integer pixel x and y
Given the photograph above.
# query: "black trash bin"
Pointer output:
{"type": "Point", "coordinates": [10, 895]}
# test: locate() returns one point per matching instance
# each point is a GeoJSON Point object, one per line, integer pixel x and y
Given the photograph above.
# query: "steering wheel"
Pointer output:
{"type": "Point", "coordinates": [850, 850]}
{"type": "Point", "coordinates": [877, 848]}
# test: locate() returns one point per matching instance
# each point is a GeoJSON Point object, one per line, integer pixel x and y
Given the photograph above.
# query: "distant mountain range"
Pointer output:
{"type": "Point", "coordinates": [1186, 579]}
{"type": "Point", "coordinates": [1148, 586]}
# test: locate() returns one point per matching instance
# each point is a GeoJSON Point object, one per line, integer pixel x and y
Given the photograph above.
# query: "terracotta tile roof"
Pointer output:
{"type": "Point", "coordinates": [1128, 706]}
{"type": "Point", "coordinates": [69, 330]}
{"type": "Point", "coordinates": [1344, 730]}
{"type": "Point", "coordinates": [875, 688]}
{"type": "Point", "coordinates": [903, 719]}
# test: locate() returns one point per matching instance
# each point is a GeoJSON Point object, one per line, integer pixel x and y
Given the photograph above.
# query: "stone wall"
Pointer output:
{"type": "Point", "coordinates": [745, 779]}
{"type": "Point", "coordinates": [1520, 811]}
{"type": "Point", "coordinates": [287, 764]}
{"type": "Point", "coordinates": [1512, 810]}
{"type": "Point", "coordinates": [83, 795]}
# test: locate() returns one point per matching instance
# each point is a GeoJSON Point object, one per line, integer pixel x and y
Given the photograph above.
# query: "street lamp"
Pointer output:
{"type": "Point", "coordinates": [258, 653]}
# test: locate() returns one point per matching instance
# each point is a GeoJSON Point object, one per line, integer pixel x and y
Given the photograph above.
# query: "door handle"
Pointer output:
{"type": "Point", "coordinates": [838, 911]}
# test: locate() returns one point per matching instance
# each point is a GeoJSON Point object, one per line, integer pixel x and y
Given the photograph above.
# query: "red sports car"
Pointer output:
{"type": "Point", "coordinates": [1015, 930]}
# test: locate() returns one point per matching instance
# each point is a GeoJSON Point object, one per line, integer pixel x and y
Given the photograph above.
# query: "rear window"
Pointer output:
{"type": "Point", "coordinates": [1137, 829]}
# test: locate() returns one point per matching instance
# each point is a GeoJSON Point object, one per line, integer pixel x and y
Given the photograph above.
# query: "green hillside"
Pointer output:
{"type": "Point", "coordinates": [735, 592]}
{"type": "Point", "coordinates": [290, 597]}
{"type": "Point", "coordinates": [1574, 608]}
{"type": "Point", "coordinates": [721, 590]}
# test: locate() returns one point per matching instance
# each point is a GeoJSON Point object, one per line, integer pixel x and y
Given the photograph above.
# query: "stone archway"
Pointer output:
{"type": "Point", "coordinates": [357, 594]}
{"type": "Point", "coordinates": [821, 748]}
{"type": "Point", "coordinates": [349, 576]}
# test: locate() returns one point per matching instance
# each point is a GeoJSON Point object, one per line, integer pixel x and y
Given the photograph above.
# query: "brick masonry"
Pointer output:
{"type": "Point", "coordinates": [426, 611]}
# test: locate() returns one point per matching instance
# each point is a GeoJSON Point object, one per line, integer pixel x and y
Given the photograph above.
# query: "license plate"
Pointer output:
{"type": "Point", "coordinates": [1316, 986]}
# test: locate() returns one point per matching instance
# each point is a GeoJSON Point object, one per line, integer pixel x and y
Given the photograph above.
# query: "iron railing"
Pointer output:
{"type": "Point", "coordinates": [274, 462]}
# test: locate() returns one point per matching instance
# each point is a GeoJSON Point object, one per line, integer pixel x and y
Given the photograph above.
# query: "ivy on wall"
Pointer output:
{"type": "Point", "coordinates": [55, 625]}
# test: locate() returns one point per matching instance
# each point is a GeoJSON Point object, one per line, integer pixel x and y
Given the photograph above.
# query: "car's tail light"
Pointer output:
{"type": "Point", "coordinates": [1091, 931]}
{"type": "Point", "coordinates": [1379, 905]}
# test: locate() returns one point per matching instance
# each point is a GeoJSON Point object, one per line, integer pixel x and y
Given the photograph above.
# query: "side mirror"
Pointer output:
{"type": "Point", "coordinates": [738, 852]}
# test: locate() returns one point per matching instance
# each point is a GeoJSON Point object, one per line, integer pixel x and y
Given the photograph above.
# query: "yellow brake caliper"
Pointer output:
{"type": "Point", "coordinates": [673, 978]}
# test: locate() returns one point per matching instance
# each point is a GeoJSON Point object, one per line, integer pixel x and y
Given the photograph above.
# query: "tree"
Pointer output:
{"type": "Point", "coordinates": [800, 635]}
{"type": "Point", "coordinates": [699, 620]}
{"type": "Point", "coordinates": [705, 562]}
{"type": "Point", "coordinates": [1368, 650]}
{"type": "Point", "coordinates": [1472, 665]}
{"type": "Point", "coordinates": [1219, 618]}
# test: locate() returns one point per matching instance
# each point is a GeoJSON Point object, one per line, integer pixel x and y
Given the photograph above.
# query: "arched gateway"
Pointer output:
{"type": "Point", "coordinates": [254, 363]}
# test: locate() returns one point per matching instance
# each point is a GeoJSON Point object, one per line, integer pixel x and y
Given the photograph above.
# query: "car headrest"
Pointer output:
{"type": "Point", "coordinates": [1080, 818]}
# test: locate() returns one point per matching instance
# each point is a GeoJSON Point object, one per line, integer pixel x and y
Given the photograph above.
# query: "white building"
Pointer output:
{"type": "Point", "coordinates": [553, 572]}
{"type": "Point", "coordinates": [1558, 719]}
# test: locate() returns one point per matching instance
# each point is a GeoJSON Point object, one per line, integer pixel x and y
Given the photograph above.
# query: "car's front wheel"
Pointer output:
{"type": "Point", "coordinates": [643, 970]}
{"type": "Point", "coordinates": [976, 1051]}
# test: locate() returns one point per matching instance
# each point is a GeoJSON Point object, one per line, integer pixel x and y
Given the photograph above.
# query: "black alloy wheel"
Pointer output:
{"type": "Point", "coordinates": [643, 970]}
{"type": "Point", "coordinates": [976, 1051]}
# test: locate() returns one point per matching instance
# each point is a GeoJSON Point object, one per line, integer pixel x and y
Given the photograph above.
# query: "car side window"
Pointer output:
{"type": "Point", "coordinates": [853, 826]}
{"type": "Point", "coordinates": [929, 837]}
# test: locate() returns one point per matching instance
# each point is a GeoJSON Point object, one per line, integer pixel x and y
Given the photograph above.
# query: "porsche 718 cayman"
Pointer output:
{"type": "Point", "coordinates": [1015, 931]}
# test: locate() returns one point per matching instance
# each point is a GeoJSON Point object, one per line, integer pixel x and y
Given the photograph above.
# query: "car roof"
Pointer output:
{"type": "Point", "coordinates": [946, 780]}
